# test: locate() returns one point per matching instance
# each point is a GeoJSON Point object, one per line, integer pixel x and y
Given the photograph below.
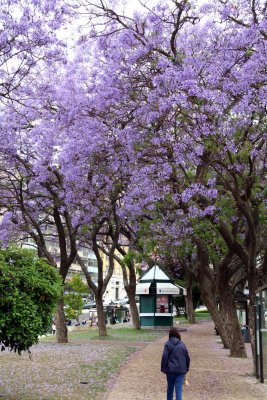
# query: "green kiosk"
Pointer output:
{"type": "Point", "coordinates": [156, 290]}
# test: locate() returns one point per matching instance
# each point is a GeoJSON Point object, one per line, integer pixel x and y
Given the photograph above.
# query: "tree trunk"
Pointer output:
{"type": "Point", "coordinates": [212, 307]}
{"type": "Point", "coordinates": [209, 297]}
{"type": "Point", "coordinates": [130, 288]}
{"type": "Point", "coordinates": [214, 286]}
{"type": "Point", "coordinates": [225, 319]}
{"type": "Point", "coordinates": [133, 308]}
{"type": "Point", "coordinates": [102, 330]}
{"type": "Point", "coordinates": [207, 284]}
{"type": "Point", "coordinates": [189, 303]}
{"type": "Point", "coordinates": [231, 323]}
{"type": "Point", "coordinates": [61, 329]}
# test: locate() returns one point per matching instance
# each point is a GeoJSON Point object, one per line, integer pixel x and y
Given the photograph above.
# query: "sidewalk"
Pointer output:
{"type": "Point", "coordinates": [213, 374]}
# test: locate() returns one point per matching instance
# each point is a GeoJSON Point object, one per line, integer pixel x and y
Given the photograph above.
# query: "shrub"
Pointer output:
{"type": "Point", "coordinates": [29, 291]}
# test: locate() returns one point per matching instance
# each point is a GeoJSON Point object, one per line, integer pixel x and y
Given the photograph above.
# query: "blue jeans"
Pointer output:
{"type": "Point", "coordinates": [175, 380]}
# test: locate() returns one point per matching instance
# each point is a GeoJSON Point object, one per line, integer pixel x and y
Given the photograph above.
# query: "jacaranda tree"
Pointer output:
{"type": "Point", "coordinates": [158, 121]}
{"type": "Point", "coordinates": [190, 114]}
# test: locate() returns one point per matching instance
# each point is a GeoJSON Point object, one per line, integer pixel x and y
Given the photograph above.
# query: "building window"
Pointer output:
{"type": "Point", "coordinates": [92, 263]}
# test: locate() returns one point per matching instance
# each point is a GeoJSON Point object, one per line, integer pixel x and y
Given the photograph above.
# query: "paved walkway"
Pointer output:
{"type": "Point", "coordinates": [213, 374]}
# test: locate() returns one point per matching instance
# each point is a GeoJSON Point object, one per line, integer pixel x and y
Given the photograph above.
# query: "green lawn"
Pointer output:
{"type": "Point", "coordinates": [201, 315]}
{"type": "Point", "coordinates": [127, 334]}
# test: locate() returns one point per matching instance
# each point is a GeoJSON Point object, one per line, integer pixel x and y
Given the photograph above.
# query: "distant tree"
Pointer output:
{"type": "Point", "coordinates": [181, 301]}
{"type": "Point", "coordinates": [29, 291]}
{"type": "Point", "coordinates": [74, 299]}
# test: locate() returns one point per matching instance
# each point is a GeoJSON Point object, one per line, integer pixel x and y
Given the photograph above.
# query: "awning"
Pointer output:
{"type": "Point", "coordinates": [170, 288]}
{"type": "Point", "coordinates": [160, 288]}
{"type": "Point", "coordinates": [143, 288]}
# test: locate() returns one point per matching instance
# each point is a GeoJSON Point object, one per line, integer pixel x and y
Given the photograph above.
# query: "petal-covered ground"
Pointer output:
{"type": "Point", "coordinates": [213, 374]}
{"type": "Point", "coordinates": [71, 371]}
{"type": "Point", "coordinates": [117, 370]}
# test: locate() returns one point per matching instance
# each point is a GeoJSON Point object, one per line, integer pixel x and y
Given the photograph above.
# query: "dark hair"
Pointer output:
{"type": "Point", "coordinates": [174, 333]}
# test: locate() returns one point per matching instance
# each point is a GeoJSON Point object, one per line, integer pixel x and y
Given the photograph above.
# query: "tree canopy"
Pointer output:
{"type": "Point", "coordinates": [153, 124]}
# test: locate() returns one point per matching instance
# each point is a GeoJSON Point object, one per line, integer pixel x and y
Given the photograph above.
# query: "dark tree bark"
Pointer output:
{"type": "Point", "coordinates": [108, 247]}
{"type": "Point", "coordinates": [189, 301]}
{"type": "Point", "coordinates": [209, 298]}
{"type": "Point", "coordinates": [216, 291]}
{"type": "Point", "coordinates": [231, 323]}
{"type": "Point", "coordinates": [98, 291]}
{"type": "Point", "coordinates": [61, 328]}
{"type": "Point", "coordinates": [130, 287]}
{"type": "Point", "coordinates": [102, 330]}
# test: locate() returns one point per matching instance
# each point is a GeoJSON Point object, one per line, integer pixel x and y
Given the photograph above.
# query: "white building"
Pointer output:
{"type": "Point", "coordinates": [115, 289]}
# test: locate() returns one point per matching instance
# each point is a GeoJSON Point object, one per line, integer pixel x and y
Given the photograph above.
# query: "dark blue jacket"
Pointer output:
{"type": "Point", "coordinates": [175, 357]}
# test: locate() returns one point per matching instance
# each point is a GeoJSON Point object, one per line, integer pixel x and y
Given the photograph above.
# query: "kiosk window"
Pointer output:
{"type": "Point", "coordinates": [162, 304]}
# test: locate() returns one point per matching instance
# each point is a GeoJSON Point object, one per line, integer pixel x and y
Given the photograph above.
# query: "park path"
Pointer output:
{"type": "Point", "coordinates": [213, 374]}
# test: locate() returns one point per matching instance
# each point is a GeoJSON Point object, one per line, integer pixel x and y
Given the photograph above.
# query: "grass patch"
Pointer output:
{"type": "Point", "coordinates": [201, 311]}
{"type": "Point", "coordinates": [202, 315]}
{"type": "Point", "coordinates": [101, 372]}
{"type": "Point", "coordinates": [128, 334]}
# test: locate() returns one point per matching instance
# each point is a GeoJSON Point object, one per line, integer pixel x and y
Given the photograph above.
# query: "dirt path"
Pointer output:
{"type": "Point", "coordinates": [213, 374]}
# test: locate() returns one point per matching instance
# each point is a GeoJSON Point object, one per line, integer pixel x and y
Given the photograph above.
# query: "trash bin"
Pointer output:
{"type": "Point", "coordinates": [245, 333]}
